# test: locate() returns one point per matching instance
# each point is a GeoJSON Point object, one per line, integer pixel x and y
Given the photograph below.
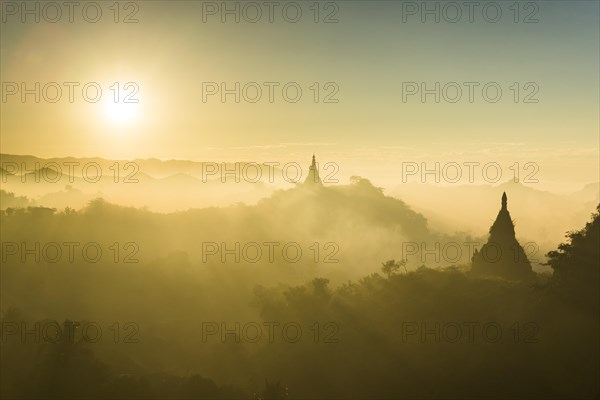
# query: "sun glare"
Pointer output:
{"type": "Point", "coordinates": [122, 113]}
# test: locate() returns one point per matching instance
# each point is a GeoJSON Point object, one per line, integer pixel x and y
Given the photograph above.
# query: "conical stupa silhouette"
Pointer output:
{"type": "Point", "coordinates": [502, 255]}
{"type": "Point", "coordinates": [313, 173]}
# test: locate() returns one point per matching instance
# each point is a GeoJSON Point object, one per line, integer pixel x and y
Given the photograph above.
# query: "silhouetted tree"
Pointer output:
{"type": "Point", "coordinates": [320, 287]}
{"type": "Point", "coordinates": [391, 267]}
{"type": "Point", "coordinates": [274, 391]}
{"type": "Point", "coordinates": [576, 263]}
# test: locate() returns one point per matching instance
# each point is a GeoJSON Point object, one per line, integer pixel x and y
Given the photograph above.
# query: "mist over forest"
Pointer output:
{"type": "Point", "coordinates": [277, 200]}
{"type": "Point", "coordinates": [293, 292]}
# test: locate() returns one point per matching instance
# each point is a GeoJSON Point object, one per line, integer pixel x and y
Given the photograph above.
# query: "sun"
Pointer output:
{"type": "Point", "coordinates": [121, 113]}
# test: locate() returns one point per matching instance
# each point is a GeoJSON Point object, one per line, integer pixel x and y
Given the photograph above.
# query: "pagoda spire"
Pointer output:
{"type": "Point", "coordinates": [313, 173]}
{"type": "Point", "coordinates": [504, 200]}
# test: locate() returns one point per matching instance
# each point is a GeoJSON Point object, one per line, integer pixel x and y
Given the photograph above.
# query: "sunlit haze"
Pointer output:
{"type": "Point", "coordinates": [299, 200]}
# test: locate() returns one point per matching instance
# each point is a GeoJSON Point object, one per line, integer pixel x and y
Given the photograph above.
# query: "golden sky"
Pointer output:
{"type": "Point", "coordinates": [355, 75]}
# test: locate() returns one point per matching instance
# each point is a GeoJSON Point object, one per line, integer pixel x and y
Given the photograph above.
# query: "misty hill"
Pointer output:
{"type": "Point", "coordinates": [164, 186]}
{"type": "Point", "coordinates": [151, 166]}
{"type": "Point", "coordinates": [352, 225]}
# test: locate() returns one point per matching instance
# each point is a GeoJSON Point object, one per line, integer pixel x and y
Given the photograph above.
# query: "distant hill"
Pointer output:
{"type": "Point", "coordinates": [159, 185]}
{"type": "Point", "coordinates": [151, 166]}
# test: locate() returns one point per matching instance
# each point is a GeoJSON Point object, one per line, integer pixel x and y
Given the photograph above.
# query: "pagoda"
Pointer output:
{"type": "Point", "coordinates": [502, 256]}
{"type": "Point", "coordinates": [313, 173]}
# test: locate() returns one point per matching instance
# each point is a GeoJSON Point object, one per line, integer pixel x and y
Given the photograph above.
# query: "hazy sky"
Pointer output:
{"type": "Point", "coordinates": [369, 58]}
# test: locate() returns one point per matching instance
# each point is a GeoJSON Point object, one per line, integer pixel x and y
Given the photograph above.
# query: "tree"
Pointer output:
{"type": "Point", "coordinates": [576, 263]}
{"type": "Point", "coordinates": [274, 391]}
{"type": "Point", "coordinates": [391, 267]}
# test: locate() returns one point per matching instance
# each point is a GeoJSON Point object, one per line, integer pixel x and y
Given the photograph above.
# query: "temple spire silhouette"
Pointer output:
{"type": "Point", "coordinates": [313, 173]}
{"type": "Point", "coordinates": [502, 255]}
